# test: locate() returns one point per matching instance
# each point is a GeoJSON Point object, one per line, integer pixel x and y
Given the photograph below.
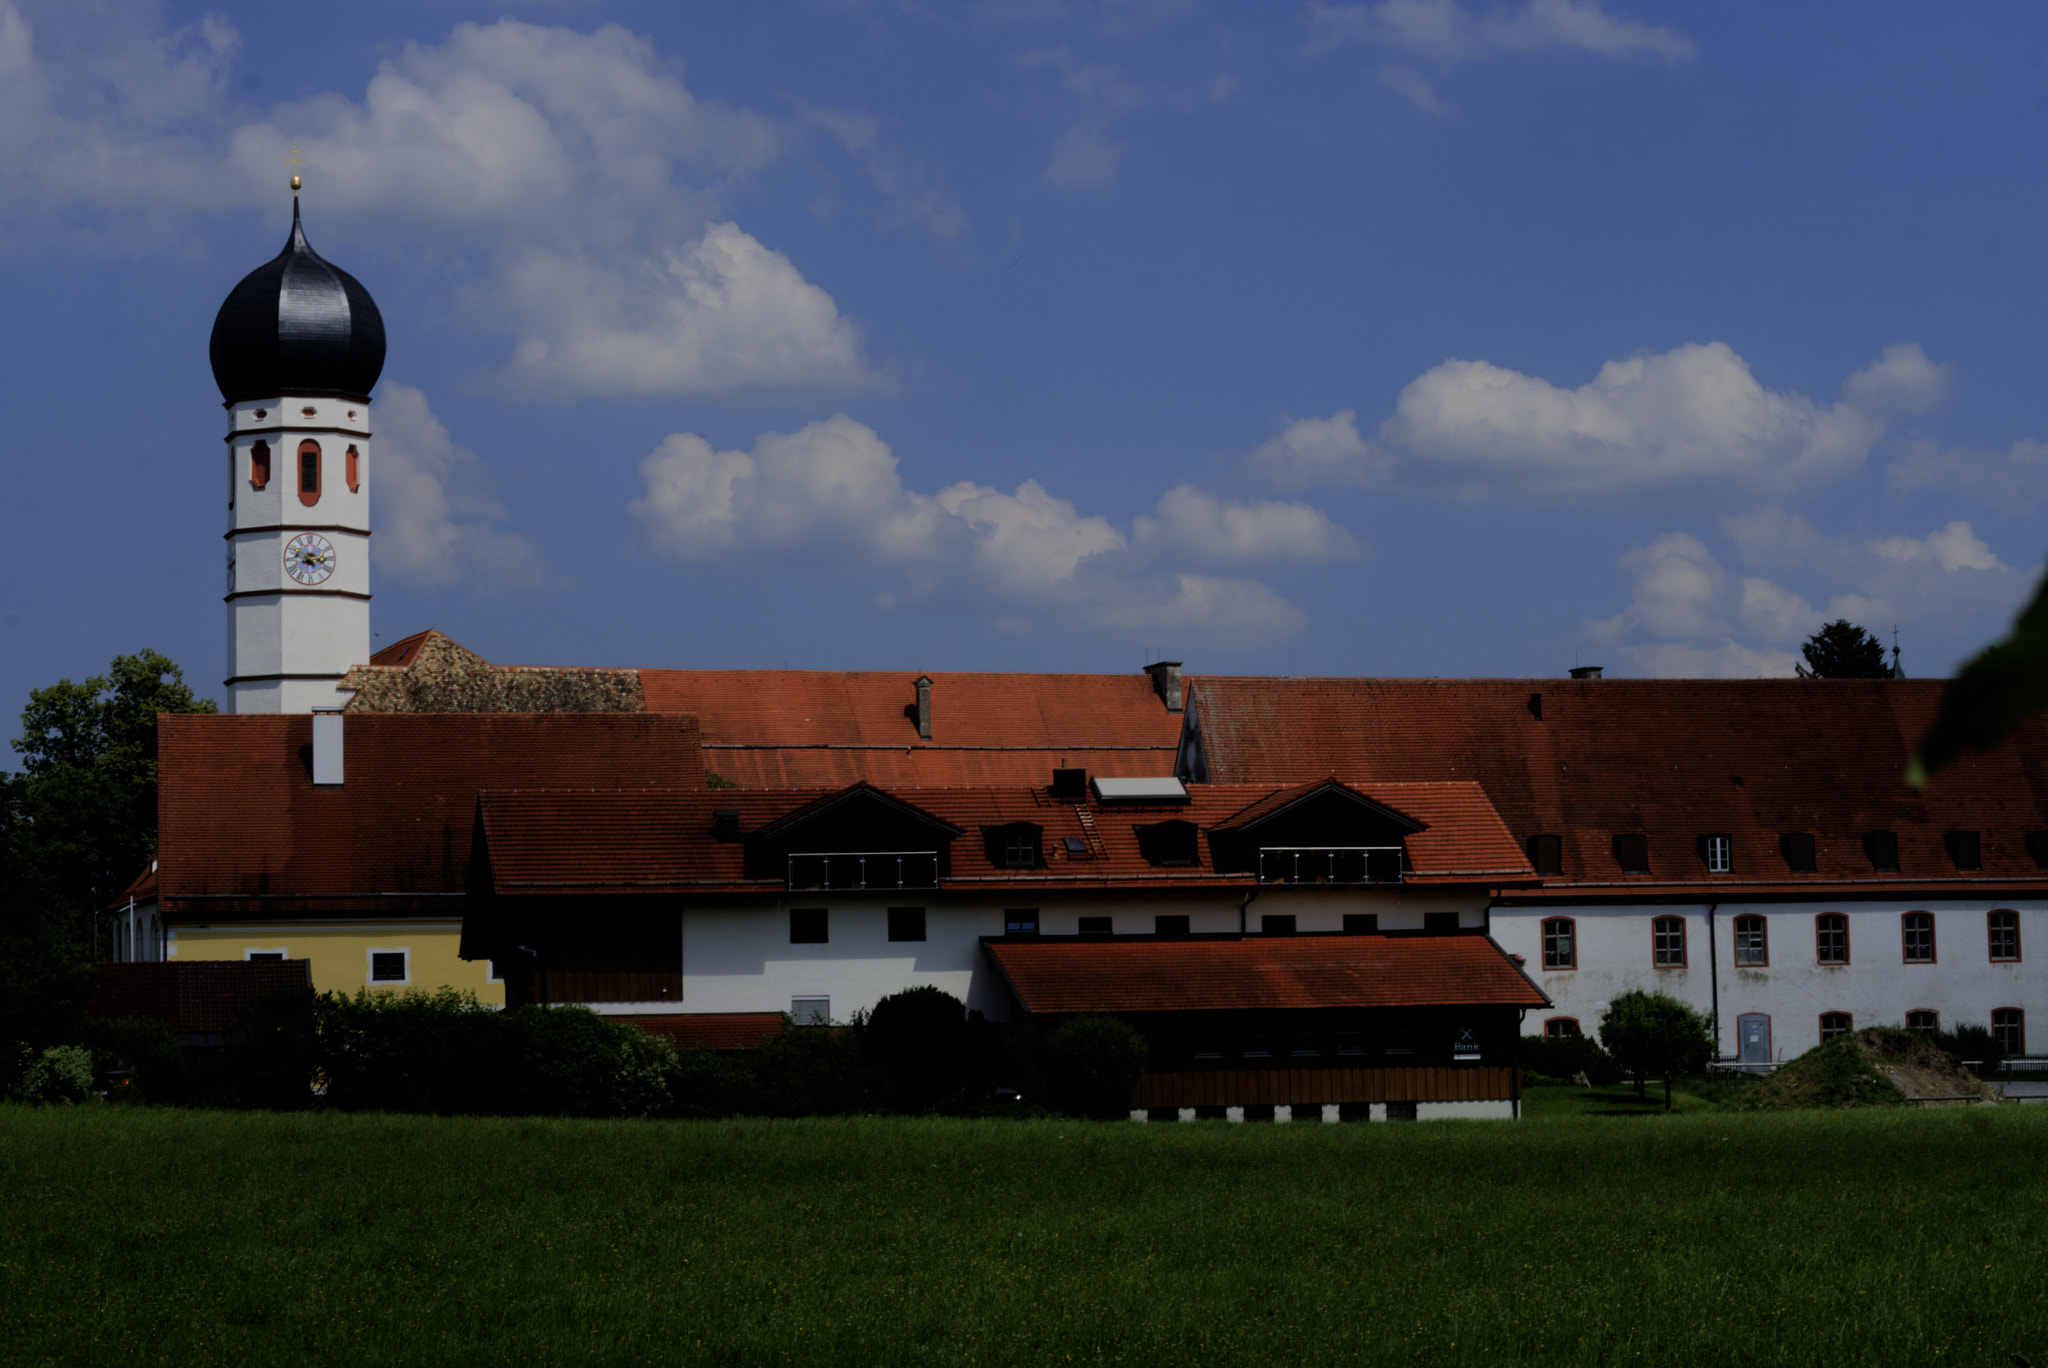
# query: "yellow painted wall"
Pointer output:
{"type": "Point", "coordinates": [341, 952]}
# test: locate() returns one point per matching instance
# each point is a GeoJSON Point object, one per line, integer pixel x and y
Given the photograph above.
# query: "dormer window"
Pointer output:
{"type": "Point", "coordinates": [1718, 852]}
{"type": "Point", "coordinates": [1015, 846]}
{"type": "Point", "coordinates": [1797, 848]}
{"type": "Point", "coordinates": [259, 465]}
{"type": "Point", "coordinates": [1632, 853]}
{"type": "Point", "coordinates": [1546, 854]}
{"type": "Point", "coordinates": [309, 473]}
{"type": "Point", "coordinates": [1169, 843]}
{"type": "Point", "coordinates": [1964, 849]}
{"type": "Point", "coordinates": [1883, 849]}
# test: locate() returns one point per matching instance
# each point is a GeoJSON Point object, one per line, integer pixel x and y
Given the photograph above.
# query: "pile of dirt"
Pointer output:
{"type": "Point", "coordinates": [1880, 1066]}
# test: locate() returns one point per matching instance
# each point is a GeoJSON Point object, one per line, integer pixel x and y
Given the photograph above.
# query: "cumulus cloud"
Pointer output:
{"type": "Point", "coordinates": [1693, 421]}
{"type": "Point", "coordinates": [1447, 32]}
{"type": "Point", "coordinates": [1412, 86]}
{"type": "Point", "coordinates": [534, 161]}
{"type": "Point", "coordinates": [2013, 481]}
{"type": "Point", "coordinates": [1689, 616]}
{"type": "Point", "coordinates": [1093, 97]}
{"type": "Point", "coordinates": [832, 489]}
{"type": "Point", "coordinates": [436, 515]}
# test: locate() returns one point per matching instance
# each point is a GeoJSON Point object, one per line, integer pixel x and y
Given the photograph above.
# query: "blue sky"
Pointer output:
{"type": "Point", "coordinates": [1406, 338]}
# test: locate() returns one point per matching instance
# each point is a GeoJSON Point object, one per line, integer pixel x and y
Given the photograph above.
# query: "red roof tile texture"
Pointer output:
{"type": "Point", "coordinates": [1672, 759]}
{"type": "Point", "coordinates": [712, 1030]}
{"type": "Point", "coordinates": [1261, 973]}
{"type": "Point", "coordinates": [816, 728]}
{"type": "Point", "coordinates": [639, 841]}
{"type": "Point", "coordinates": [199, 998]}
{"type": "Point", "coordinates": [240, 825]}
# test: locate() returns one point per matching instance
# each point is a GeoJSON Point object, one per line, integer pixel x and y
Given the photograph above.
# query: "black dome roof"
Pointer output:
{"type": "Point", "coordinates": [297, 325]}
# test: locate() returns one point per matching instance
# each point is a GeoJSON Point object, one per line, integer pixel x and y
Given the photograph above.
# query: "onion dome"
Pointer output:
{"type": "Point", "coordinates": [297, 325]}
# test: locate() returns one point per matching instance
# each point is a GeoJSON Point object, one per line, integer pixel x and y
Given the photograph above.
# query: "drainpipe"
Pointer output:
{"type": "Point", "coordinates": [1714, 980]}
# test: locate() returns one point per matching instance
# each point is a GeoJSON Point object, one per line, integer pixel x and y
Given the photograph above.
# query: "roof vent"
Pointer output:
{"type": "Point", "coordinates": [725, 824]}
{"type": "Point", "coordinates": [327, 748]}
{"type": "Point", "coordinates": [1586, 671]}
{"type": "Point", "coordinates": [1070, 784]}
{"type": "Point", "coordinates": [1166, 682]}
{"type": "Point", "coordinates": [924, 707]}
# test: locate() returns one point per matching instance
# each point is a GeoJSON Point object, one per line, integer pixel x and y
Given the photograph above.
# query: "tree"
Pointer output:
{"type": "Point", "coordinates": [1655, 1033]}
{"type": "Point", "coordinates": [917, 1039]}
{"type": "Point", "coordinates": [75, 827]}
{"type": "Point", "coordinates": [1842, 650]}
{"type": "Point", "coordinates": [1992, 694]}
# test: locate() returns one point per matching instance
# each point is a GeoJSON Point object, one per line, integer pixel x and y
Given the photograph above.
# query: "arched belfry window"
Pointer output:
{"type": "Point", "coordinates": [354, 471]}
{"type": "Point", "coordinates": [259, 465]}
{"type": "Point", "coordinates": [309, 473]}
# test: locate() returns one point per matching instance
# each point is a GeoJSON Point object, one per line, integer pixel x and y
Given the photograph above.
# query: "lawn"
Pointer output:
{"type": "Point", "coordinates": [161, 1236]}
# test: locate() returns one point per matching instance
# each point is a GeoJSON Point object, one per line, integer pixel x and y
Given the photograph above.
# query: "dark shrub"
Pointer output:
{"type": "Point", "coordinates": [704, 1086]}
{"type": "Point", "coordinates": [415, 1052]}
{"type": "Point", "coordinates": [1971, 1042]}
{"type": "Point", "coordinates": [569, 1061]}
{"type": "Point", "coordinates": [138, 1060]}
{"type": "Point", "coordinates": [917, 1039]}
{"type": "Point", "coordinates": [813, 1071]}
{"type": "Point", "coordinates": [1563, 1057]}
{"type": "Point", "coordinates": [1092, 1066]}
{"type": "Point", "coordinates": [274, 1052]}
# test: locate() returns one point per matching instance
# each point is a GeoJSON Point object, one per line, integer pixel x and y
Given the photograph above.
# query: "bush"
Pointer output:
{"type": "Point", "coordinates": [145, 1055]}
{"type": "Point", "coordinates": [62, 1073]}
{"type": "Point", "coordinates": [1562, 1057]}
{"type": "Point", "coordinates": [917, 1039]}
{"type": "Point", "coordinates": [813, 1071]}
{"type": "Point", "coordinates": [569, 1061]}
{"type": "Point", "coordinates": [1092, 1066]}
{"type": "Point", "coordinates": [1975, 1043]}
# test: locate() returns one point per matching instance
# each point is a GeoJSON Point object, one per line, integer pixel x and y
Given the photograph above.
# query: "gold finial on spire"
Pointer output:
{"type": "Point", "coordinates": [295, 159]}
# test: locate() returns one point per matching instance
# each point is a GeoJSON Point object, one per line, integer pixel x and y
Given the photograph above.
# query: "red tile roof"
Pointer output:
{"type": "Point", "coordinates": [199, 998]}
{"type": "Point", "coordinates": [816, 728]}
{"type": "Point", "coordinates": [1259, 972]}
{"type": "Point", "coordinates": [712, 1030]}
{"type": "Point", "coordinates": [623, 842]}
{"type": "Point", "coordinates": [402, 652]}
{"type": "Point", "coordinates": [242, 829]}
{"type": "Point", "coordinates": [1673, 759]}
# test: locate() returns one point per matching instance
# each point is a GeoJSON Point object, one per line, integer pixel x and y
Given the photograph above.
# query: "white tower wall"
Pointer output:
{"type": "Point", "coordinates": [290, 643]}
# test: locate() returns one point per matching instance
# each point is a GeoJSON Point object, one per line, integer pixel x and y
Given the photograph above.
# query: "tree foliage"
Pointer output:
{"type": "Point", "coordinates": [1992, 694]}
{"type": "Point", "coordinates": [1656, 1034]}
{"type": "Point", "coordinates": [1842, 650]}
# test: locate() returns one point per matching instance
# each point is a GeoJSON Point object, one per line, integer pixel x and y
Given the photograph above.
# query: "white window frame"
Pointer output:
{"type": "Point", "coordinates": [370, 966]}
{"type": "Point", "coordinates": [811, 1018]}
{"type": "Point", "coordinates": [1720, 854]}
{"type": "Point", "coordinates": [250, 952]}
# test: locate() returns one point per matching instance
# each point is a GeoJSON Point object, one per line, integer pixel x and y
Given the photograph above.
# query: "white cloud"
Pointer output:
{"type": "Point", "coordinates": [1691, 421]}
{"type": "Point", "coordinates": [1944, 591]}
{"type": "Point", "coordinates": [2012, 481]}
{"type": "Point", "coordinates": [1446, 32]}
{"type": "Point", "coordinates": [1082, 157]}
{"type": "Point", "coordinates": [434, 506]}
{"type": "Point", "coordinates": [831, 490]}
{"type": "Point", "coordinates": [536, 162]}
{"type": "Point", "coordinates": [1901, 381]}
{"type": "Point", "coordinates": [1414, 87]}
{"type": "Point", "coordinates": [914, 192]}
{"type": "Point", "coordinates": [721, 316]}
{"type": "Point", "coordinates": [1315, 451]}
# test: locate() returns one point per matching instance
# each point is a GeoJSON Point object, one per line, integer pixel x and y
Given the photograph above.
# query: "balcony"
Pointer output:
{"type": "Point", "coordinates": [856, 869]}
{"type": "Point", "coordinates": [1331, 864]}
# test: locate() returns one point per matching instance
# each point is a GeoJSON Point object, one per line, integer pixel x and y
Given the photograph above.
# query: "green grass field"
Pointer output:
{"type": "Point", "coordinates": [161, 1236]}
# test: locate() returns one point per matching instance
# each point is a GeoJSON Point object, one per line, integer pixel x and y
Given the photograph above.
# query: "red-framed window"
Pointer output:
{"type": "Point", "coordinates": [2003, 927]}
{"type": "Point", "coordinates": [1667, 942]}
{"type": "Point", "coordinates": [2009, 1026]}
{"type": "Point", "coordinates": [1752, 946]}
{"type": "Point", "coordinates": [1556, 1027]}
{"type": "Point", "coordinates": [1834, 1024]}
{"type": "Point", "coordinates": [1916, 937]}
{"type": "Point", "coordinates": [352, 468]}
{"type": "Point", "coordinates": [1923, 1019]}
{"type": "Point", "coordinates": [259, 465]}
{"type": "Point", "coordinates": [309, 473]}
{"type": "Point", "coordinates": [1831, 938]}
{"type": "Point", "coordinates": [1560, 943]}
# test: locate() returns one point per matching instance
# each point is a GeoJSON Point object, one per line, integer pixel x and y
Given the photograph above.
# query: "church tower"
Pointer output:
{"type": "Point", "coordinates": [296, 349]}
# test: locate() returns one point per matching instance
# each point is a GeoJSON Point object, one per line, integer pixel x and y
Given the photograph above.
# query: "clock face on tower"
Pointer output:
{"type": "Point", "coordinates": [309, 558]}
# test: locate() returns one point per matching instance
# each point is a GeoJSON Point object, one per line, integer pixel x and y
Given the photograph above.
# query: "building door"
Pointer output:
{"type": "Point", "coordinates": [1753, 1036]}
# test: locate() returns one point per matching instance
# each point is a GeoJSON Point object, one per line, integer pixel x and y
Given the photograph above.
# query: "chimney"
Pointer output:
{"type": "Point", "coordinates": [1070, 784]}
{"type": "Point", "coordinates": [924, 707]}
{"type": "Point", "coordinates": [1586, 671]}
{"type": "Point", "coordinates": [725, 824]}
{"type": "Point", "coordinates": [327, 748]}
{"type": "Point", "coordinates": [1166, 682]}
